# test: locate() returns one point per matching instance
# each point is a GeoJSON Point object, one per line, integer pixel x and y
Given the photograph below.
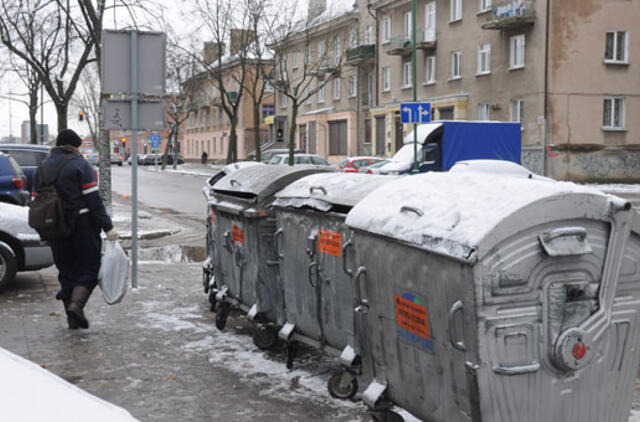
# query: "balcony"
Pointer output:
{"type": "Point", "coordinates": [399, 46]}
{"type": "Point", "coordinates": [360, 55]}
{"type": "Point", "coordinates": [328, 64]}
{"type": "Point", "coordinates": [511, 14]}
{"type": "Point", "coordinates": [426, 39]}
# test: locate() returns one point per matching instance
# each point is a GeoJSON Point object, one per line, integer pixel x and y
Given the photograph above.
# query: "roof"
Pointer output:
{"type": "Point", "coordinates": [322, 191]}
{"type": "Point", "coordinates": [457, 214]}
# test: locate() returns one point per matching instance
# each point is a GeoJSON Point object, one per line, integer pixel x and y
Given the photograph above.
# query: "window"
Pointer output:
{"type": "Point", "coordinates": [455, 8]}
{"type": "Point", "coordinates": [321, 49]}
{"type": "Point", "coordinates": [456, 64]}
{"type": "Point", "coordinates": [307, 54]}
{"type": "Point", "coordinates": [430, 22]}
{"type": "Point", "coordinates": [321, 94]}
{"type": "Point", "coordinates": [430, 70]}
{"type": "Point", "coordinates": [353, 38]}
{"type": "Point", "coordinates": [386, 30]}
{"type": "Point", "coordinates": [283, 101]}
{"type": "Point", "coordinates": [406, 25]}
{"type": "Point", "coordinates": [307, 95]}
{"type": "Point", "coordinates": [337, 48]}
{"type": "Point", "coordinates": [484, 59]}
{"type": "Point", "coordinates": [516, 60]}
{"type": "Point", "coordinates": [484, 6]}
{"type": "Point", "coordinates": [386, 79]}
{"type": "Point", "coordinates": [517, 110]}
{"type": "Point", "coordinates": [613, 117]}
{"type": "Point", "coordinates": [268, 88]}
{"type": "Point", "coordinates": [406, 75]}
{"type": "Point", "coordinates": [484, 111]}
{"type": "Point", "coordinates": [353, 89]}
{"type": "Point", "coordinates": [336, 88]}
{"type": "Point", "coordinates": [294, 59]}
{"type": "Point", "coordinates": [368, 39]}
{"type": "Point", "coordinates": [616, 47]}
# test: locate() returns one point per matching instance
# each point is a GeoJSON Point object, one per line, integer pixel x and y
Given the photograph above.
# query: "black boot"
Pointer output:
{"type": "Point", "coordinates": [75, 310]}
{"type": "Point", "coordinates": [71, 321]}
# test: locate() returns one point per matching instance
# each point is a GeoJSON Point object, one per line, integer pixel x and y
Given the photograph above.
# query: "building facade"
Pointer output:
{"type": "Point", "coordinates": [564, 69]}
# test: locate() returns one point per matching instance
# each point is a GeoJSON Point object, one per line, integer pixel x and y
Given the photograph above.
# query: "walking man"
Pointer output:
{"type": "Point", "coordinates": [76, 256]}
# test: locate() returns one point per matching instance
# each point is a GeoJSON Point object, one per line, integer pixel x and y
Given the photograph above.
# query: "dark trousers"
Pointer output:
{"type": "Point", "coordinates": [78, 257]}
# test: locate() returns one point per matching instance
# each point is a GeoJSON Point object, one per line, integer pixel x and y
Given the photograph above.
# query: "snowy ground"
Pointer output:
{"type": "Point", "coordinates": [617, 188]}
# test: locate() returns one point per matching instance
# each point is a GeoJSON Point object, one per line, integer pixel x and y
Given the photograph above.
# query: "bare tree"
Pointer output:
{"type": "Point", "coordinates": [320, 63]}
{"type": "Point", "coordinates": [87, 100]}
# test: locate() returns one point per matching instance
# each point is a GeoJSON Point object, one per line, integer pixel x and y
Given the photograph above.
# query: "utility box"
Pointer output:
{"type": "Point", "coordinates": [499, 298]}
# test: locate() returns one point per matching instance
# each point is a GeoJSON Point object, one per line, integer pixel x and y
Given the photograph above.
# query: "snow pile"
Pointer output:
{"type": "Point", "coordinates": [451, 213]}
{"type": "Point", "coordinates": [14, 219]}
{"type": "Point", "coordinates": [29, 393]}
{"type": "Point", "coordinates": [635, 416]}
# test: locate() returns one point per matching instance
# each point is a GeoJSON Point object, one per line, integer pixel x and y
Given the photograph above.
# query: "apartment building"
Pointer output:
{"type": "Point", "coordinates": [208, 127]}
{"type": "Point", "coordinates": [334, 121]}
{"type": "Point", "coordinates": [564, 69]}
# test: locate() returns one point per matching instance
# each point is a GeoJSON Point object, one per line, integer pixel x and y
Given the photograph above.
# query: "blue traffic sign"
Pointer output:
{"type": "Point", "coordinates": [415, 112]}
{"type": "Point", "coordinates": [154, 140]}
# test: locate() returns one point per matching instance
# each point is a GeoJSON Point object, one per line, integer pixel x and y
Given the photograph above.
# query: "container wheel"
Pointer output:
{"type": "Point", "coordinates": [264, 338]}
{"type": "Point", "coordinates": [213, 302]}
{"type": "Point", "coordinates": [386, 416]}
{"type": "Point", "coordinates": [221, 316]}
{"type": "Point", "coordinates": [290, 351]}
{"type": "Point", "coordinates": [343, 385]}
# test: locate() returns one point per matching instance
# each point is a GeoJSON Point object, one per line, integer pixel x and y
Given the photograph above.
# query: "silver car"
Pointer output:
{"type": "Point", "coordinates": [20, 246]}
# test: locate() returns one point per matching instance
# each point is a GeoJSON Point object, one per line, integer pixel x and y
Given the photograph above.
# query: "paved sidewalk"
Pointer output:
{"type": "Point", "coordinates": [159, 355]}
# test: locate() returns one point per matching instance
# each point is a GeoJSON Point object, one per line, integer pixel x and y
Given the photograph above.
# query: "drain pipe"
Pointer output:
{"type": "Point", "coordinates": [375, 19]}
{"type": "Point", "coordinates": [545, 139]}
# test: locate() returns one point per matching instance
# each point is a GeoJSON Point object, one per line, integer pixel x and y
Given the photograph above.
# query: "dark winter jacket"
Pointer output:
{"type": "Point", "coordinates": [76, 185]}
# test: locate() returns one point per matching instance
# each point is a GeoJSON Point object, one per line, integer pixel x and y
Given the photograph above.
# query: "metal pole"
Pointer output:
{"type": "Point", "coordinates": [415, 83]}
{"type": "Point", "coordinates": [134, 159]}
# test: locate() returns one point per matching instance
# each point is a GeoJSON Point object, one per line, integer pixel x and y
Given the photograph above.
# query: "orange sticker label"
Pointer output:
{"type": "Point", "coordinates": [213, 217]}
{"type": "Point", "coordinates": [237, 234]}
{"type": "Point", "coordinates": [329, 242]}
{"type": "Point", "coordinates": [412, 317]}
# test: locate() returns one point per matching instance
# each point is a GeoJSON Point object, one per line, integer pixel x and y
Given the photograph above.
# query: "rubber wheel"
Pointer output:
{"type": "Point", "coordinates": [343, 385]}
{"type": "Point", "coordinates": [8, 266]}
{"type": "Point", "coordinates": [205, 281]}
{"type": "Point", "coordinates": [290, 351]}
{"type": "Point", "coordinates": [221, 316]}
{"type": "Point", "coordinates": [264, 338]}
{"type": "Point", "coordinates": [386, 416]}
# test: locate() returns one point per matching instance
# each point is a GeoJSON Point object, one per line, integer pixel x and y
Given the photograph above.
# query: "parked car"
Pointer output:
{"type": "Point", "coordinates": [150, 159]}
{"type": "Point", "coordinates": [93, 159]}
{"type": "Point", "coordinates": [353, 164]}
{"type": "Point", "coordinates": [20, 246]}
{"type": "Point", "coordinates": [373, 168]}
{"type": "Point", "coordinates": [117, 158]}
{"type": "Point", "coordinates": [266, 156]}
{"type": "Point", "coordinates": [12, 182]}
{"type": "Point", "coordinates": [299, 159]}
{"type": "Point", "coordinates": [28, 158]}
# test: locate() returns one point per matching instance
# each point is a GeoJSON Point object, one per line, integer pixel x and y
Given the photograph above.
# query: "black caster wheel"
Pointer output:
{"type": "Point", "coordinates": [343, 385]}
{"type": "Point", "coordinates": [290, 351]}
{"type": "Point", "coordinates": [205, 281]}
{"type": "Point", "coordinates": [221, 316]}
{"type": "Point", "coordinates": [264, 337]}
{"type": "Point", "coordinates": [213, 302]}
{"type": "Point", "coordinates": [386, 416]}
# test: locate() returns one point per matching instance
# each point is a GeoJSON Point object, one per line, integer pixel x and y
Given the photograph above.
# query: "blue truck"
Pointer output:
{"type": "Point", "coordinates": [441, 144]}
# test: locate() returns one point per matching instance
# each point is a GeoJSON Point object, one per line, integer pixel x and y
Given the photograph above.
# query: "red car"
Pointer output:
{"type": "Point", "coordinates": [352, 164]}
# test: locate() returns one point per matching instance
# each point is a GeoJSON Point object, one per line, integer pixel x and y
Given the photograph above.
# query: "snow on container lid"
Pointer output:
{"type": "Point", "coordinates": [256, 183]}
{"type": "Point", "coordinates": [453, 213]}
{"type": "Point", "coordinates": [324, 191]}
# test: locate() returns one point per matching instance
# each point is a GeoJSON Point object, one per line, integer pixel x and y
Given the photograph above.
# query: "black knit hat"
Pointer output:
{"type": "Point", "coordinates": [68, 137]}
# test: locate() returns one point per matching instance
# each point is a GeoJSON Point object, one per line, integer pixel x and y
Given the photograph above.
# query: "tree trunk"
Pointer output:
{"type": "Point", "coordinates": [292, 130]}
{"type": "Point", "coordinates": [104, 169]}
{"type": "Point", "coordinates": [167, 146]}
{"type": "Point", "coordinates": [232, 156]}
{"type": "Point", "coordinates": [256, 130]}
{"type": "Point", "coordinates": [33, 112]}
{"type": "Point", "coordinates": [176, 144]}
{"type": "Point", "coordinates": [61, 110]}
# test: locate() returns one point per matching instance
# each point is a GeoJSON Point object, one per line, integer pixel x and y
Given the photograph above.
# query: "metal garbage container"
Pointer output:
{"type": "Point", "coordinates": [499, 298]}
{"type": "Point", "coordinates": [245, 261]}
{"type": "Point", "coordinates": [313, 248]}
{"type": "Point", "coordinates": [208, 277]}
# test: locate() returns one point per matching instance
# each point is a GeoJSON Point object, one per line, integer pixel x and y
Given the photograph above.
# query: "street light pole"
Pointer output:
{"type": "Point", "coordinates": [415, 82]}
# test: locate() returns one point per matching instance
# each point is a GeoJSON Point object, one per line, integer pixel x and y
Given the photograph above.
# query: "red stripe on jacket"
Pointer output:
{"type": "Point", "coordinates": [88, 185]}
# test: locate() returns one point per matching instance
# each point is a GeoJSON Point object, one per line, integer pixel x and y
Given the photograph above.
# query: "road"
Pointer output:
{"type": "Point", "coordinates": [179, 192]}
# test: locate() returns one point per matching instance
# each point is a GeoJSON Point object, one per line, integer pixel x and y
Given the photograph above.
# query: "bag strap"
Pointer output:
{"type": "Point", "coordinates": [57, 171]}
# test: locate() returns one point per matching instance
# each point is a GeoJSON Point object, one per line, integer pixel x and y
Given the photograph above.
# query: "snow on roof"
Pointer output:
{"type": "Point", "coordinates": [334, 10]}
{"type": "Point", "coordinates": [321, 191]}
{"type": "Point", "coordinates": [451, 213]}
{"type": "Point", "coordinates": [30, 393]}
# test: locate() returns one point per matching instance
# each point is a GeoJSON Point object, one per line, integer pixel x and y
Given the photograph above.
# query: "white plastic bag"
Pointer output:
{"type": "Point", "coordinates": [114, 272]}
